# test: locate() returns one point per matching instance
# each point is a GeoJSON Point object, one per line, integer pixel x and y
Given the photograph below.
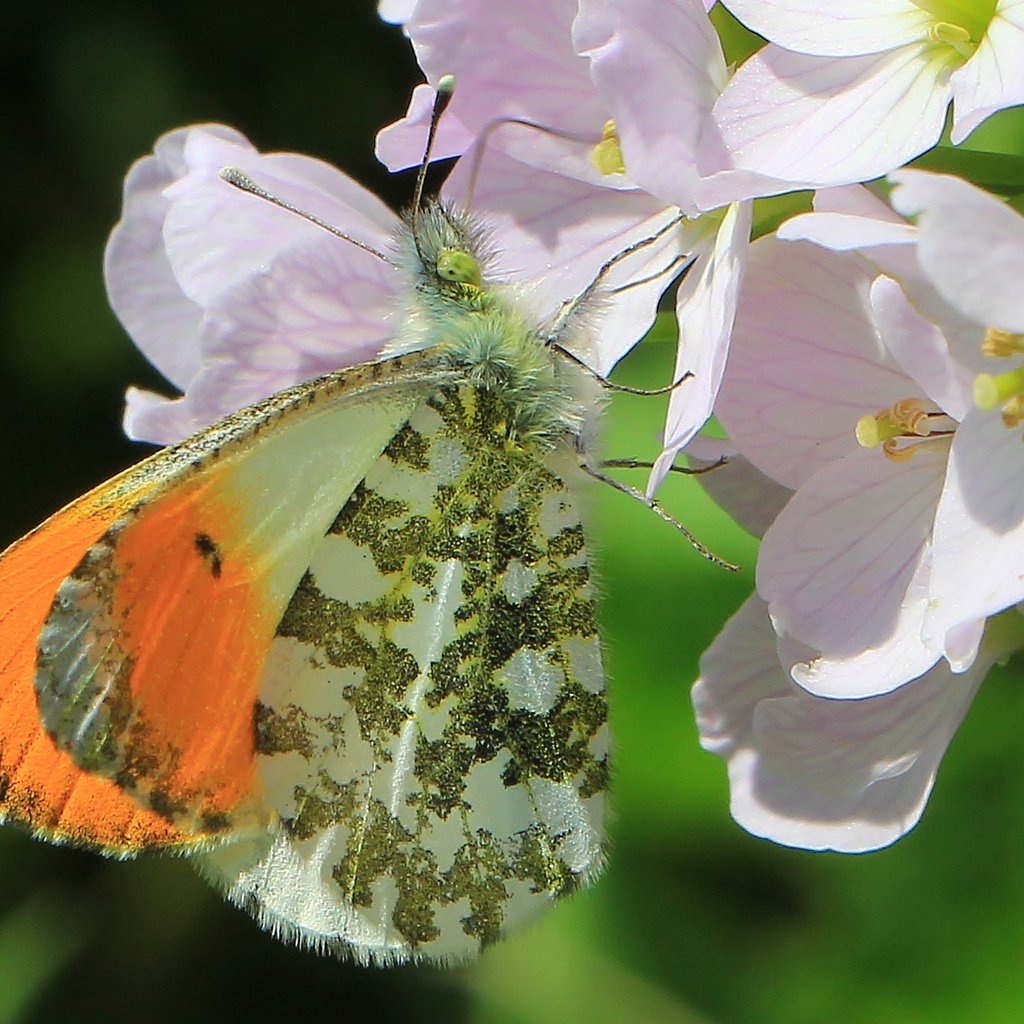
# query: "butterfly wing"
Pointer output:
{"type": "Point", "coordinates": [432, 722]}
{"type": "Point", "coordinates": [134, 623]}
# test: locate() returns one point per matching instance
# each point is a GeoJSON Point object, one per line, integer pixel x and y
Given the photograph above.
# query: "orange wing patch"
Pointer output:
{"type": "Point", "coordinates": [150, 659]}
{"type": "Point", "coordinates": [195, 628]}
{"type": "Point", "coordinates": [40, 786]}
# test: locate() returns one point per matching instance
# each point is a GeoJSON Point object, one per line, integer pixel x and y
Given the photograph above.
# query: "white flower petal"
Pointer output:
{"type": "Point", "coordinates": [217, 236]}
{"type": "Point", "coordinates": [158, 420]}
{"type": "Point", "coordinates": [401, 144]}
{"type": "Point", "coordinates": [817, 121]}
{"type": "Point", "coordinates": [845, 230]}
{"type": "Point", "coordinates": [321, 308]}
{"type": "Point", "coordinates": [682, 60]}
{"type": "Point", "coordinates": [970, 244]}
{"type": "Point", "coordinates": [509, 61]}
{"type": "Point", "coordinates": [840, 567]}
{"type": "Point", "coordinates": [994, 76]}
{"type": "Point", "coordinates": [920, 347]}
{"type": "Point", "coordinates": [829, 29]}
{"type": "Point", "coordinates": [821, 774]}
{"type": "Point", "coordinates": [705, 310]}
{"type": "Point", "coordinates": [805, 363]}
{"type": "Point", "coordinates": [141, 286]}
{"type": "Point", "coordinates": [978, 557]}
{"type": "Point", "coordinates": [875, 670]}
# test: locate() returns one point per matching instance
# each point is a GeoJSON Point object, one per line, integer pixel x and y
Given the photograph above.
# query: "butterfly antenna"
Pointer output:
{"type": "Point", "coordinates": [240, 180]}
{"type": "Point", "coordinates": [442, 97]}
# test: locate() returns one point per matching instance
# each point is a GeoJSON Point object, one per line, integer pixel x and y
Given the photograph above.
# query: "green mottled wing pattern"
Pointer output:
{"type": "Point", "coordinates": [432, 721]}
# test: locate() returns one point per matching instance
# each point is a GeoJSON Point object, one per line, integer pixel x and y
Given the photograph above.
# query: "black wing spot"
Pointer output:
{"type": "Point", "coordinates": [208, 549]}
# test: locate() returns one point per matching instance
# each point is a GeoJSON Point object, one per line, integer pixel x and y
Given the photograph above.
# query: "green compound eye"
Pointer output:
{"type": "Point", "coordinates": [459, 267]}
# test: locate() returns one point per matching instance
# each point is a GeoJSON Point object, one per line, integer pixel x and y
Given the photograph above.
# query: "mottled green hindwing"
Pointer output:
{"type": "Point", "coordinates": [432, 721]}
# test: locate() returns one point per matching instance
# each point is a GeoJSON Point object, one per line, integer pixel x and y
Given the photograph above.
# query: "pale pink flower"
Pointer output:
{"type": "Point", "coordinates": [847, 775]}
{"type": "Point", "coordinates": [233, 298]}
{"type": "Point", "coordinates": [971, 250]}
{"type": "Point", "coordinates": [844, 566]}
{"type": "Point", "coordinates": [847, 92]}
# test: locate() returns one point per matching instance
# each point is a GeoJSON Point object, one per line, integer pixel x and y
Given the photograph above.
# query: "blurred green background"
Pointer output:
{"type": "Point", "coordinates": [693, 920]}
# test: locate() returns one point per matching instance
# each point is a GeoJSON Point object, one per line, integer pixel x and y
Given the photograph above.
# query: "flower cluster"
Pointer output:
{"type": "Point", "coordinates": [865, 359]}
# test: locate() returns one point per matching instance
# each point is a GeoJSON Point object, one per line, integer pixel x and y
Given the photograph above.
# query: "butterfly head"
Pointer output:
{"type": "Point", "coordinates": [446, 252]}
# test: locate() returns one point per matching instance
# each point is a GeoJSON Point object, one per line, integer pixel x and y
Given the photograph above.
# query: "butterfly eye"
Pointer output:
{"type": "Point", "coordinates": [459, 267]}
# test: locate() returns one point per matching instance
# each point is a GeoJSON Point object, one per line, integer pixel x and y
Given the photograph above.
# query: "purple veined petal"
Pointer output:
{"type": "Point", "coordinates": [141, 286]}
{"type": "Point", "coordinates": [705, 311]}
{"type": "Point", "coordinates": [815, 773]}
{"type": "Point", "coordinates": [321, 308]}
{"type": "Point", "coordinates": [994, 76]}
{"type": "Point", "coordinates": [841, 566]}
{"type": "Point", "coordinates": [217, 236]}
{"type": "Point", "coordinates": [509, 60]}
{"type": "Point", "coordinates": [819, 121]}
{"type": "Point", "coordinates": [901, 658]}
{"type": "Point", "coordinates": [978, 556]}
{"type": "Point", "coordinates": [970, 244]}
{"type": "Point", "coordinates": [401, 144]}
{"type": "Point", "coordinates": [827, 29]}
{"type": "Point", "coordinates": [660, 69]}
{"type": "Point", "coordinates": [805, 363]}
{"type": "Point", "coordinates": [552, 233]}
{"type": "Point", "coordinates": [921, 349]}
{"type": "Point", "coordinates": [158, 420]}
{"type": "Point", "coordinates": [752, 499]}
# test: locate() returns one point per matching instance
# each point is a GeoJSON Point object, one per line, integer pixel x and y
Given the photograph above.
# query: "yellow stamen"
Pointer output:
{"type": "Point", "coordinates": [607, 155]}
{"type": "Point", "coordinates": [1013, 411]}
{"type": "Point", "coordinates": [908, 420]}
{"type": "Point", "coordinates": [992, 390]}
{"type": "Point", "coordinates": [1000, 344]}
{"type": "Point", "coordinates": [871, 431]}
{"type": "Point", "coordinates": [953, 36]}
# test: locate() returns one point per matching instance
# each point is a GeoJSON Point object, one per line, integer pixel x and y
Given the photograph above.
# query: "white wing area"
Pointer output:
{"type": "Point", "coordinates": [432, 722]}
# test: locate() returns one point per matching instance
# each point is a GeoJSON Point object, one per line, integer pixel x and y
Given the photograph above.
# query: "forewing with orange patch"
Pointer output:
{"type": "Point", "coordinates": [143, 612]}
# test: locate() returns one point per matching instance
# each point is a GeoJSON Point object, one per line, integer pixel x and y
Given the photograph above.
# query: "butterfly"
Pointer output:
{"type": "Point", "coordinates": [341, 647]}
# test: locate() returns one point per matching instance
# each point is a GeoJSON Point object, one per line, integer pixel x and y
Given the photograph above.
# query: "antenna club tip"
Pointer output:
{"type": "Point", "coordinates": [446, 85]}
{"type": "Point", "coordinates": [233, 176]}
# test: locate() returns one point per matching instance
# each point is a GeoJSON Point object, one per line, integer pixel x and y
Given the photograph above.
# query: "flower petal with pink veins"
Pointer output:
{"type": "Point", "coordinates": [814, 121]}
{"type": "Point", "coordinates": [815, 773]}
{"type": "Point", "coordinates": [805, 362]}
{"type": "Point", "coordinates": [217, 236]}
{"type": "Point", "coordinates": [842, 566]}
{"type": "Point", "coordinates": [660, 69]}
{"type": "Point", "coordinates": [970, 244]}
{"type": "Point", "coordinates": [705, 310]}
{"type": "Point", "coordinates": [994, 76]}
{"type": "Point", "coordinates": [978, 559]}
{"type": "Point", "coordinates": [509, 60]}
{"type": "Point", "coordinates": [828, 29]}
{"type": "Point", "coordinates": [921, 349]}
{"type": "Point", "coordinates": [141, 286]}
